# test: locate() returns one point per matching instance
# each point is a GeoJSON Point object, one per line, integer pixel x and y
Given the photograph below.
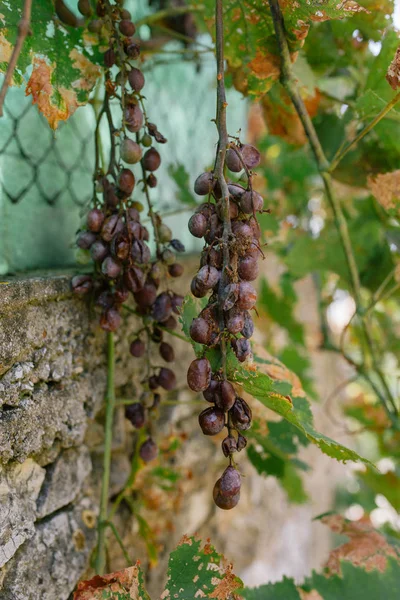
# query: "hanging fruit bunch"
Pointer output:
{"type": "Point", "coordinates": [227, 222]}
{"type": "Point", "coordinates": [114, 235]}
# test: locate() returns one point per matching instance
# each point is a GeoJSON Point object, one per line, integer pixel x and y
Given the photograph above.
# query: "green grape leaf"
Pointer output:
{"type": "Point", "coordinates": [196, 571]}
{"type": "Point", "coordinates": [282, 590]}
{"type": "Point", "coordinates": [181, 177]}
{"type": "Point", "coordinates": [276, 396]}
{"type": "Point", "coordinates": [65, 59]}
{"type": "Point", "coordinates": [251, 48]}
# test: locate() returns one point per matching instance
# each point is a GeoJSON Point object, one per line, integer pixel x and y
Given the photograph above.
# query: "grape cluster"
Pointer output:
{"type": "Point", "coordinates": [226, 271]}
{"type": "Point", "coordinates": [114, 235]}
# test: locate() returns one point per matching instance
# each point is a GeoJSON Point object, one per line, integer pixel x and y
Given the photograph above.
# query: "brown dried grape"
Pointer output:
{"type": "Point", "coordinates": [151, 160]}
{"type": "Point", "coordinates": [255, 227]}
{"type": "Point", "coordinates": [167, 352]}
{"type": "Point", "coordinates": [204, 184]}
{"type": "Point", "coordinates": [207, 277]}
{"type": "Point", "coordinates": [236, 191]}
{"type": "Point", "coordinates": [136, 80]}
{"type": "Point", "coordinates": [110, 320]}
{"type": "Point", "coordinates": [176, 302]}
{"type": "Point", "coordinates": [81, 284]}
{"type": "Point", "coordinates": [200, 331]}
{"type": "Point", "coordinates": [153, 382]}
{"type": "Point", "coordinates": [226, 397]}
{"type": "Point", "coordinates": [248, 328]}
{"type": "Point", "coordinates": [130, 151]}
{"type": "Point", "coordinates": [198, 225]}
{"type": "Point", "coordinates": [166, 379]}
{"type": "Point", "coordinates": [175, 270]}
{"type": "Point", "coordinates": [199, 374]}
{"type": "Point", "coordinates": [251, 156]}
{"type": "Point", "coordinates": [212, 420]}
{"type": "Point", "coordinates": [126, 181]}
{"type": "Point", "coordinates": [133, 117]}
{"type": "Point", "coordinates": [134, 279]}
{"type": "Point", "coordinates": [212, 257]}
{"type": "Point", "coordinates": [241, 414]}
{"type": "Point", "coordinates": [120, 246]}
{"type": "Point", "coordinates": [197, 290]}
{"type": "Point", "coordinates": [241, 229]}
{"type": "Point", "coordinates": [140, 252]}
{"type": "Point", "coordinates": [109, 58]}
{"type": "Point", "coordinates": [148, 450]}
{"type": "Point", "coordinates": [247, 296]}
{"type": "Point", "coordinates": [235, 321]}
{"type": "Point", "coordinates": [95, 219]}
{"type": "Point", "coordinates": [171, 323]}
{"type": "Point", "coordinates": [95, 25]}
{"type": "Point", "coordinates": [127, 28]}
{"type": "Point", "coordinates": [132, 49]}
{"type": "Point", "coordinates": [228, 445]}
{"type": "Point", "coordinates": [84, 8]}
{"type": "Point", "coordinates": [135, 413]}
{"type": "Point", "coordinates": [248, 268]}
{"type": "Point", "coordinates": [111, 226]}
{"type": "Point", "coordinates": [137, 348]}
{"type": "Point", "coordinates": [233, 210]}
{"type": "Point", "coordinates": [214, 231]}
{"type": "Point", "coordinates": [241, 442]}
{"type": "Point", "coordinates": [212, 393]}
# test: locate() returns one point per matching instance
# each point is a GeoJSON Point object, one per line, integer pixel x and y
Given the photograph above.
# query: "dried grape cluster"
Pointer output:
{"type": "Point", "coordinates": [227, 267]}
{"type": "Point", "coordinates": [114, 235]}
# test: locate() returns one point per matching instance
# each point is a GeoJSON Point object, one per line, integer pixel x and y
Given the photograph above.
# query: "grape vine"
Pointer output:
{"type": "Point", "coordinates": [229, 262]}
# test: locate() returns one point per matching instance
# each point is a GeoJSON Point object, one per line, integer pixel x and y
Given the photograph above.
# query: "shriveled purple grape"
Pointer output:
{"type": "Point", "coordinates": [204, 184]}
{"type": "Point", "coordinates": [251, 202]}
{"type": "Point", "coordinates": [110, 267]}
{"type": "Point", "coordinates": [148, 450]}
{"type": "Point", "coordinates": [137, 348]}
{"type": "Point", "coordinates": [135, 413]}
{"type": "Point", "coordinates": [175, 270]}
{"type": "Point", "coordinates": [153, 382]}
{"type": "Point", "coordinates": [112, 225]}
{"type": "Point", "coordinates": [229, 296]}
{"type": "Point", "coordinates": [140, 252]}
{"type": "Point", "coordinates": [199, 374]}
{"type": "Point", "coordinates": [212, 420]}
{"type": "Point", "coordinates": [151, 160]}
{"type": "Point", "coordinates": [147, 295]}
{"type": "Point", "coordinates": [242, 230]}
{"type": "Point", "coordinates": [247, 296]}
{"type": "Point", "coordinates": [197, 225]}
{"type": "Point", "coordinates": [152, 180]}
{"type": "Point", "coordinates": [121, 294]}
{"type": "Point", "coordinates": [200, 331]}
{"type": "Point", "coordinates": [235, 321]}
{"type": "Point", "coordinates": [136, 79]}
{"type": "Point", "coordinates": [224, 502]}
{"type": "Point", "coordinates": [120, 245]}
{"type": "Point", "coordinates": [167, 379]}
{"type": "Point", "coordinates": [197, 290]}
{"type": "Point", "coordinates": [228, 445]}
{"type": "Point", "coordinates": [233, 210]}
{"type": "Point", "coordinates": [134, 279]}
{"type": "Point", "coordinates": [241, 414]}
{"type": "Point", "coordinates": [171, 323]}
{"type": "Point", "coordinates": [95, 219]}
{"type": "Point", "coordinates": [251, 156]}
{"type": "Point", "coordinates": [236, 191]}
{"type": "Point", "coordinates": [214, 231]}
{"type": "Point", "coordinates": [167, 352]}
{"type": "Point", "coordinates": [130, 151]}
{"type": "Point", "coordinates": [233, 161]}
{"type": "Point", "coordinates": [241, 442]}
{"type": "Point", "coordinates": [229, 484]}
{"type": "Point", "coordinates": [109, 58]}
{"type": "Point", "coordinates": [81, 284]}
{"type": "Point", "coordinates": [207, 277]}
{"type": "Point", "coordinates": [176, 302]}
{"type": "Point", "coordinates": [85, 239]}
{"type": "Point", "coordinates": [162, 307]}
{"type": "Point", "coordinates": [248, 328]}
{"type": "Point", "coordinates": [99, 251]}
{"type": "Point", "coordinates": [248, 268]}
{"type": "Point", "coordinates": [211, 257]}
{"type": "Point", "coordinates": [255, 227]}
{"type": "Point", "coordinates": [110, 320]}
{"type": "Point", "coordinates": [133, 117]}
{"type": "Point", "coordinates": [241, 348]}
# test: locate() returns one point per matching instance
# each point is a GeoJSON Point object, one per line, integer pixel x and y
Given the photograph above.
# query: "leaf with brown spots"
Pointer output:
{"type": "Point", "coordinates": [393, 74]}
{"type": "Point", "coordinates": [386, 189]}
{"type": "Point", "coordinates": [251, 49]}
{"type": "Point", "coordinates": [125, 585]}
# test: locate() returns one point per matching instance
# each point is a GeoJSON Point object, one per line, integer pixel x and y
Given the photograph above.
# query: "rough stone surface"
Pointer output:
{"type": "Point", "coordinates": [19, 488]}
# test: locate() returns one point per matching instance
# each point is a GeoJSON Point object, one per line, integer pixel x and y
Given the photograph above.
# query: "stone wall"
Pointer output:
{"type": "Point", "coordinates": [52, 383]}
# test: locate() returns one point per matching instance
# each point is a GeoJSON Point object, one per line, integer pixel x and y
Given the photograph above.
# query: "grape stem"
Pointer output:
{"type": "Point", "coordinates": [100, 557]}
{"type": "Point", "coordinates": [23, 30]}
